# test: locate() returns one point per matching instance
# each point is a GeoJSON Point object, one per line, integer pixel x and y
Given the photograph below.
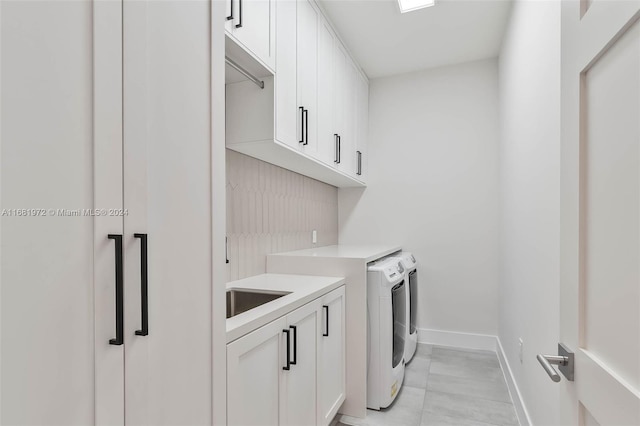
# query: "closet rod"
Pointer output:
{"type": "Point", "coordinates": [244, 72]}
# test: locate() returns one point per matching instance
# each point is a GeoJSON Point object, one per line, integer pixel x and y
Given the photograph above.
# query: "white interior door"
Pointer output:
{"type": "Point", "coordinates": [61, 156]}
{"type": "Point", "coordinates": [600, 205]}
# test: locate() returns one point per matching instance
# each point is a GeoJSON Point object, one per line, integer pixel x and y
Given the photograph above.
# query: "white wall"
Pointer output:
{"type": "Point", "coordinates": [529, 70]}
{"type": "Point", "coordinates": [433, 188]}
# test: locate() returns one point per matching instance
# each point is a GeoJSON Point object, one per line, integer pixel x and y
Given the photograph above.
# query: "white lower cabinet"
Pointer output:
{"type": "Point", "coordinates": [287, 372]}
{"type": "Point", "coordinates": [299, 384]}
{"type": "Point", "coordinates": [331, 357]}
{"type": "Point", "coordinates": [254, 367]}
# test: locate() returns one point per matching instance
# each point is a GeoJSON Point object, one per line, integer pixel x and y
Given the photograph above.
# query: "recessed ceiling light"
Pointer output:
{"type": "Point", "coordinates": [410, 5]}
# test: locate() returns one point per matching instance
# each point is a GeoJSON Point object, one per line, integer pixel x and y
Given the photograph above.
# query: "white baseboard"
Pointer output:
{"type": "Point", "coordinates": [480, 342]}
{"type": "Point", "coordinates": [516, 397]}
{"type": "Point", "coordinates": [457, 339]}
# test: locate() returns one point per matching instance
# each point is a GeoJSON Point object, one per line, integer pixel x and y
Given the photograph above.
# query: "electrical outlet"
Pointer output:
{"type": "Point", "coordinates": [521, 349]}
{"type": "Point", "coordinates": [314, 236]}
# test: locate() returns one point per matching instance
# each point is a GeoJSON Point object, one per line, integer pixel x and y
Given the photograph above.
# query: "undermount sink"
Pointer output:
{"type": "Point", "coordinates": [241, 300]}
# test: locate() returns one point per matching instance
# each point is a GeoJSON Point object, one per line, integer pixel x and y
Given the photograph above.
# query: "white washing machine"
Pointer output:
{"type": "Point", "coordinates": [386, 300]}
{"type": "Point", "coordinates": [411, 278]}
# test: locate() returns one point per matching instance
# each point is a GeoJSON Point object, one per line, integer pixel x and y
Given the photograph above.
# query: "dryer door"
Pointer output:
{"type": "Point", "coordinates": [399, 301]}
{"type": "Point", "coordinates": [413, 297]}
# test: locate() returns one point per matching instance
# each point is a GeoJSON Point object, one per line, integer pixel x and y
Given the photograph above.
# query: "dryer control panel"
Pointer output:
{"type": "Point", "coordinates": [392, 272]}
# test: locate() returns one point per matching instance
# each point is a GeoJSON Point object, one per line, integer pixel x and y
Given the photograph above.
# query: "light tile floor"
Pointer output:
{"type": "Point", "coordinates": [446, 386]}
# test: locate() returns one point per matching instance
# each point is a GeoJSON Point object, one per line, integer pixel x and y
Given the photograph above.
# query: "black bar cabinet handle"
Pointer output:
{"type": "Point", "coordinates": [339, 148]}
{"type": "Point", "coordinates": [239, 24]}
{"type": "Point", "coordinates": [295, 344]}
{"type": "Point", "coordinates": [119, 340]}
{"type": "Point", "coordinates": [359, 163]}
{"type": "Point", "coordinates": [306, 126]}
{"type": "Point", "coordinates": [230, 17]}
{"type": "Point", "coordinates": [288, 366]}
{"type": "Point", "coordinates": [301, 124]}
{"type": "Point", "coordinates": [326, 320]}
{"type": "Point", "coordinates": [144, 284]}
{"type": "Point", "coordinates": [335, 141]}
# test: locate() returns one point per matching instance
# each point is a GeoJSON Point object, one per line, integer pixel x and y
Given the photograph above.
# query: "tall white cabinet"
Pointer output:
{"type": "Point", "coordinates": [167, 189]}
{"type": "Point", "coordinates": [105, 188]}
{"type": "Point", "coordinates": [53, 269]}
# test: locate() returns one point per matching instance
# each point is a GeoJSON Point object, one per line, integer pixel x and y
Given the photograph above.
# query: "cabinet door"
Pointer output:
{"type": "Point", "coordinates": [286, 112]}
{"type": "Point", "coordinates": [340, 78]}
{"type": "Point", "coordinates": [252, 24]}
{"type": "Point", "coordinates": [348, 140]}
{"type": "Point", "coordinates": [298, 405]}
{"type": "Point", "coordinates": [326, 92]}
{"type": "Point", "coordinates": [61, 153]}
{"type": "Point", "coordinates": [331, 357]}
{"type": "Point", "coordinates": [307, 64]}
{"type": "Point", "coordinates": [363, 128]}
{"type": "Point", "coordinates": [254, 367]}
{"type": "Point", "coordinates": [167, 193]}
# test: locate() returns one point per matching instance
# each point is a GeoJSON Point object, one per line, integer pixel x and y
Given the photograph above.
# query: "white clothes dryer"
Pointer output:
{"type": "Point", "coordinates": [386, 304]}
{"type": "Point", "coordinates": [411, 278]}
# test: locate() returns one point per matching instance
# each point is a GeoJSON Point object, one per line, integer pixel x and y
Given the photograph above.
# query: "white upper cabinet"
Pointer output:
{"type": "Point", "coordinates": [347, 161]}
{"type": "Point", "coordinates": [286, 117]}
{"type": "Point", "coordinates": [327, 133]}
{"type": "Point", "coordinates": [307, 118]}
{"type": "Point", "coordinates": [362, 134]}
{"type": "Point", "coordinates": [307, 81]}
{"type": "Point", "coordinates": [339, 99]}
{"type": "Point", "coordinates": [345, 74]}
{"type": "Point", "coordinates": [251, 24]}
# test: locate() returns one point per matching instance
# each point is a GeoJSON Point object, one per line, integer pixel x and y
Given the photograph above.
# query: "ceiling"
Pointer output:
{"type": "Point", "coordinates": [386, 42]}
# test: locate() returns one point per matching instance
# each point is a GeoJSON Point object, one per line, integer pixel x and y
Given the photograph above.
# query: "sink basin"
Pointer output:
{"type": "Point", "coordinates": [241, 300]}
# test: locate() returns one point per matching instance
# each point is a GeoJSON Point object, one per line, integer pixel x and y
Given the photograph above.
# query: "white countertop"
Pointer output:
{"type": "Point", "coordinates": [366, 252]}
{"type": "Point", "coordinates": [303, 289]}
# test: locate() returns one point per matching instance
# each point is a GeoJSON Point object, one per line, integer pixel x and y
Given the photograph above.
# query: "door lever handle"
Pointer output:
{"type": "Point", "coordinates": [547, 360]}
{"type": "Point", "coordinates": [564, 360]}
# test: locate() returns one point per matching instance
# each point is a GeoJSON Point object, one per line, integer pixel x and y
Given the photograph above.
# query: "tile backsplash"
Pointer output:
{"type": "Point", "coordinates": [270, 210]}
